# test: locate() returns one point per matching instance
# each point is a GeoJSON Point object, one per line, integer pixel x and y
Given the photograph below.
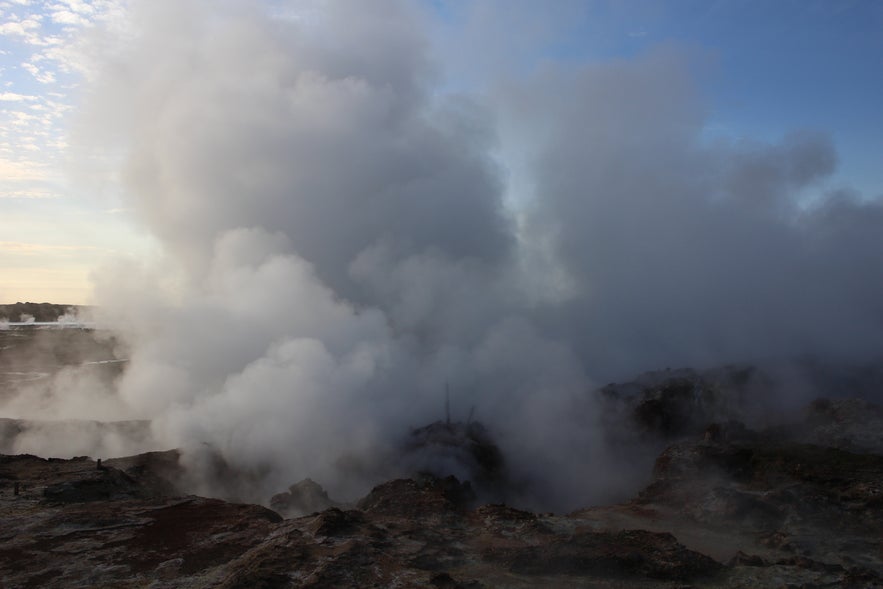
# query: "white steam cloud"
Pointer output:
{"type": "Point", "coordinates": [339, 241]}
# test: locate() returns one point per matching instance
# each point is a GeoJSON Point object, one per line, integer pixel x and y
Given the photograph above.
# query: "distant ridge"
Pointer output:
{"type": "Point", "coordinates": [41, 312]}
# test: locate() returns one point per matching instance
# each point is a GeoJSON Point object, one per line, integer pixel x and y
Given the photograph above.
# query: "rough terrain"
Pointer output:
{"type": "Point", "coordinates": [799, 505]}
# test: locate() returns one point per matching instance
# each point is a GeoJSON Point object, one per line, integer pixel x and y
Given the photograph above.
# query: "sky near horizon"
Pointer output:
{"type": "Point", "coordinates": [764, 69]}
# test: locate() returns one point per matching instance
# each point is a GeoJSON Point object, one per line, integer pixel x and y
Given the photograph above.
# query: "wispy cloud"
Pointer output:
{"type": "Point", "coordinates": [67, 17]}
{"type": "Point", "coordinates": [15, 97]}
{"type": "Point", "coordinates": [24, 170]}
{"type": "Point", "coordinates": [28, 194]}
{"type": "Point", "coordinates": [26, 29]}
{"type": "Point", "coordinates": [24, 248]}
{"type": "Point", "coordinates": [45, 38]}
{"type": "Point", "coordinates": [42, 76]}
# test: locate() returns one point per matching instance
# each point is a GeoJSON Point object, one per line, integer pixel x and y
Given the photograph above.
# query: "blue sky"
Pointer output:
{"type": "Point", "coordinates": [765, 68]}
{"type": "Point", "coordinates": [786, 65]}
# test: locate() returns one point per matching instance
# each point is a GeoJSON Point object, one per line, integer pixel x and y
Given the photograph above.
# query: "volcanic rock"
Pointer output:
{"type": "Point", "coordinates": [302, 498]}
{"type": "Point", "coordinates": [670, 404]}
{"type": "Point", "coordinates": [727, 507]}
{"type": "Point", "coordinates": [464, 450]}
{"type": "Point", "coordinates": [849, 424]}
{"type": "Point", "coordinates": [411, 498]}
{"type": "Point", "coordinates": [406, 533]}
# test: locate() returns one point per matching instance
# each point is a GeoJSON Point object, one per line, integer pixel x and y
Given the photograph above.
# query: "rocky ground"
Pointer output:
{"type": "Point", "coordinates": [40, 312]}
{"type": "Point", "coordinates": [797, 505]}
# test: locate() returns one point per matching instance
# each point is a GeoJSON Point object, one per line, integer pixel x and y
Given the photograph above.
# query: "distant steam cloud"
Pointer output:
{"type": "Point", "coordinates": [339, 241]}
{"type": "Point", "coordinates": [691, 252]}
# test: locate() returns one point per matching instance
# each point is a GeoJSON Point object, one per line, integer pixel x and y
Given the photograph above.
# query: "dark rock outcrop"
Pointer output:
{"type": "Point", "coordinates": [464, 450]}
{"type": "Point", "coordinates": [728, 507]}
{"type": "Point", "coordinates": [302, 498]}
{"type": "Point", "coordinates": [426, 497]}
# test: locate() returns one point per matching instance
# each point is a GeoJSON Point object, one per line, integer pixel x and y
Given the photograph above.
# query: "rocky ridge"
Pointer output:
{"type": "Point", "coordinates": [795, 505]}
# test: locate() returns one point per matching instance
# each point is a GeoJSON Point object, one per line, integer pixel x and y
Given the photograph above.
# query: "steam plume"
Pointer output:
{"type": "Point", "coordinates": [340, 239]}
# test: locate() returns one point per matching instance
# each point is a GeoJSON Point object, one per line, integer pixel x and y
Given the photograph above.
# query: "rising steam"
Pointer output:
{"type": "Point", "coordinates": [341, 237]}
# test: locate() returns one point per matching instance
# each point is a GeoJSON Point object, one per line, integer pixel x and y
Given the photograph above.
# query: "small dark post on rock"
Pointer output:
{"type": "Point", "coordinates": [15, 489]}
{"type": "Point", "coordinates": [98, 465]}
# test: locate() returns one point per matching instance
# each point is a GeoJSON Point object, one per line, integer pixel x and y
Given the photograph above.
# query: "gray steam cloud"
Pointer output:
{"type": "Point", "coordinates": [341, 236]}
{"type": "Point", "coordinates": [690, 252]}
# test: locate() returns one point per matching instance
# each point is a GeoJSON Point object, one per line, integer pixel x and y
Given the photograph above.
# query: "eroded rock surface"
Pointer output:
{"type": "Point", "coordinates": [466, 450]}
{"type": "Point", "coordinates": [796, 506]}
{"type": "Point", "coordinates": [302, 498]}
